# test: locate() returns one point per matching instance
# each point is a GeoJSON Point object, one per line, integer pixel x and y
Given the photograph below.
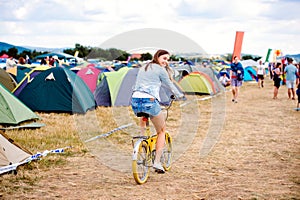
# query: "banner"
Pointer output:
{"type": "Point", "coordinates": [238, 44]}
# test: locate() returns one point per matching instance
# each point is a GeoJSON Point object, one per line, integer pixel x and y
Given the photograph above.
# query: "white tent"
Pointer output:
{"type": "Point", "coordinates": [10, 152]}
{"type": "Point", "coordinates": [250, 62]}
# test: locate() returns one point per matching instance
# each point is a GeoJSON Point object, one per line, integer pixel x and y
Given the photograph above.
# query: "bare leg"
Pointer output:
{"type": "Point", "coordinates": [236, 93]}
{"type": "Point", "coordinates": [275, 92]}
{"type": "Point", "coordinates": [160, 126]}
{"type": "Point", "coordinates": [289, 93]}
{"type": "Point", "coordinates": [233, 92]}
{"type": "Point", "coordinates": [293, 93]}
{"type": "Point", "coordinates": [142, 125]}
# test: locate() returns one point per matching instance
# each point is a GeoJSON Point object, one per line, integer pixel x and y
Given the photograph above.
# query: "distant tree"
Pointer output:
{"type": "Point", "coordinates": [69, 51]}
{"type": "Point", "coordinates": [247, 57]}
{"type": "Point", "coordinates": [24, 53]}
{"type": "Point", "coordinates": [115, 53]}
{"type": "Point", "coordinates": [124, 56]}
{"type": "Point", "coordinates": [228, 57]}
{"type": "Point", "coordinates": [146, 56]}
{"type": "Point", "coordinates": [174, 58]}
{"type": "Point", "coordinates": [13, 52]}
{"type": "Point", "coordinates": [2, 52]}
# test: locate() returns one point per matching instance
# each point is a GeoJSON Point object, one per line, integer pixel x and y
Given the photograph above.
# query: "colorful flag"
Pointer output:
{"type": "Point", "coordinates": [238, 44]}
{"type": "Point", "coordinates": [268, 55]}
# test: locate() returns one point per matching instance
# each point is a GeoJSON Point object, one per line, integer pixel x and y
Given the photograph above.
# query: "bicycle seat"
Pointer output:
{"type": "Point", "coordinates": [142, 114]}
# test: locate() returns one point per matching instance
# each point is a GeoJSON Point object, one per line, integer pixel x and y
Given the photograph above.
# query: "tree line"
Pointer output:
{"type": "Point", "coordinates": [88, 52]}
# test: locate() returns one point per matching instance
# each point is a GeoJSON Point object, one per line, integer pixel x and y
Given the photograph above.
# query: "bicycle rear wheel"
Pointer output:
{"type": "Point", "coordinates": [141, 166]}
{"type": "Point", "coordinates": [167, 153]}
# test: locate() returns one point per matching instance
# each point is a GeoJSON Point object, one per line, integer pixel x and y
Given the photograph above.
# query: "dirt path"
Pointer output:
{"type": "Point", "coordinates": [248, 150]}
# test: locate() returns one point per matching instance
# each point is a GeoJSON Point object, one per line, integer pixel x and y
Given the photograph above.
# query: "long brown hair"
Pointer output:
{"type": "Point", "coordinates": [159, 53]}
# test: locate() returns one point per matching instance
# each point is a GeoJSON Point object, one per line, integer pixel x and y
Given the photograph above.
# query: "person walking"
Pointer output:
{"type": "Point", "coordinates": [277, 79]}
{"type": "Point", "coordinates": [260, 72]}
{"type": "Point", "coordinates": [145, 98]}
{"type": "Point", "coordinates": [291, 71]}
{"type": "Point", "coordinates": [236, 76]}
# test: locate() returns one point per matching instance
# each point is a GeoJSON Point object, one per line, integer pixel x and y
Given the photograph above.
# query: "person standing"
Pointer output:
{"type": "Point", "coordinates": [145, 98]}
{"type": "Point", "coordinates": [236, 76]}
{"type": "Point", "coordinates": [277, 79]}
{"type": "Point", "coordinates": [10, 63]}
{"type": "Point", "coordinates": [291, 71]}
{"type": "Point", "coordinates": [298, 94]}
{"type": "Point", "coordinates": [260, 72]}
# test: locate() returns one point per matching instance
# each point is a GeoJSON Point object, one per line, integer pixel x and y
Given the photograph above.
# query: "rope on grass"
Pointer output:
{"type": "Point", "coordinates": [36, 156]}
{"type": "Point", "coordinates": [109, 133]}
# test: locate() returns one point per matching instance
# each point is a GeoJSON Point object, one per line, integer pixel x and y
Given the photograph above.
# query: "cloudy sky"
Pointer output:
{"type": "Point", "coordinates": [211, 24]}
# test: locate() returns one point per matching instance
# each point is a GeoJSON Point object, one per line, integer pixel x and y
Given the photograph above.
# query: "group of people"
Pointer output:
{"type": "Point", "coordinates": [292, 79]}
{"type": "Point", "coordinates": [12, 62]}
{"type": "Point", "coordinates": [290, 71]}
{"type": "Point", "coordinates": [51, 61]}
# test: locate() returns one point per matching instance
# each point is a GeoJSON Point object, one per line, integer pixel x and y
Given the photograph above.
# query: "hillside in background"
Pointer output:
{"type": "Point", "coordinates": [5, 46]}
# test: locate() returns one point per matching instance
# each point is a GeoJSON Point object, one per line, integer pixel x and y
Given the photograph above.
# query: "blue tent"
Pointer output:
{"type": "Point", "coordinates": [250, 74]}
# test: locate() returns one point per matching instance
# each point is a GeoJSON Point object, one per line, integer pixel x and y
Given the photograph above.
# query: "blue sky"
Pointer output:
{"type": "Point", "coordinates": [211, 24]}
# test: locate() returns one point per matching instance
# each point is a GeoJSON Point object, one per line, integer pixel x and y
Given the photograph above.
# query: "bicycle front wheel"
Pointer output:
{"type": "Point", "coordinates": [167, 153]}
{"type": "Point", "coordinates": [141, 165]}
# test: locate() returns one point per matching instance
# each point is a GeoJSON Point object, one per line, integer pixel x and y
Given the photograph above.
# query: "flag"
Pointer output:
{"type": "Point", "coordinates": [238, 44]}
{"type": "Point", "coordinates": [268, 55]}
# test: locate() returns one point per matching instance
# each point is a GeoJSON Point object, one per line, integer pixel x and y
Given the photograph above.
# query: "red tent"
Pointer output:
{"type": "Point", "coordinates": [4, 56]}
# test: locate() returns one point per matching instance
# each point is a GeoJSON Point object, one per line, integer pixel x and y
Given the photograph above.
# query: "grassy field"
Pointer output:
{"type": "Point", "coordinates": [222, 150]}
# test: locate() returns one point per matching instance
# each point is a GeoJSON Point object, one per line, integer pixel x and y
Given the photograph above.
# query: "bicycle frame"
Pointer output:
{"type": "Point", "coordinates": [148, 138]}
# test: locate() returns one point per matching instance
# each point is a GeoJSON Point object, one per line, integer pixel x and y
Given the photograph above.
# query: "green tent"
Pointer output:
{"type": "Point", "coordinates": [197, 83]}
{"type": "Point", "coordinates": [12, 110]}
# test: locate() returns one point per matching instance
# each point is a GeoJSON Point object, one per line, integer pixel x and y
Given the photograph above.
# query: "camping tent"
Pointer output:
{"type": "Point", "coordinates": [218, 87]}
{"type": "Point", "coordinates": [12, 110]}
{"type": "Point", "coordinates": [4, 56]}
{"type": "Point", "coordinates": [115, 88]}
{"type": "Point", "coordinates": [7, 80]}
{"type": "Point", "coordinates": [18, 72]}
{"type": "Point", "coordinates": [197, 83]}
{"type": "Point", "coordinates": [58, 54]}
{"type": "Point", "coordinates": [89, 75]}
{"type": "Point", "coordinates": [57, 90]}
{"type": "Point", "coordinates": [249, 74]}
{"type": "Point", "coordinates": [249, 62]}
{"type": "Point", "coordinates": [10, 152]}
{"type": "Point", "coordinates": [28, 77]}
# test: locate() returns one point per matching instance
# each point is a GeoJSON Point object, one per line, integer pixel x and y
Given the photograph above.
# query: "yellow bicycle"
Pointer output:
{"type": "Point", "coordinates": [144, 152]}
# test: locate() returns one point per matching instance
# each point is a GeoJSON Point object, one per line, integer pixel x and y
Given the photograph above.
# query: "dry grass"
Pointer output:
{"type": "Point", "coordinates": [222, 150]}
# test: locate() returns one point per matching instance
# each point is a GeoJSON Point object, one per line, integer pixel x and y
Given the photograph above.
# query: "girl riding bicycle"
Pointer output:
{"type": "Point", "coordinates": [145, 98]}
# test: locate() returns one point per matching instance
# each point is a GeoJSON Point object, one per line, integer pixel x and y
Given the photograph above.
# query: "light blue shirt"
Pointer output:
{"type": "Point", "coordinates": [150, 81]}
{"type": "Point", "coordinates": [290, 71]}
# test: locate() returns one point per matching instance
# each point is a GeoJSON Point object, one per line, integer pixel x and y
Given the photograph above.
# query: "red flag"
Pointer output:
{"type": "Point", "coordinates": [238, 44]}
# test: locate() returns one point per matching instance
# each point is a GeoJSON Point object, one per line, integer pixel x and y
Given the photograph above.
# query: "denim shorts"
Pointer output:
{"type": "Point", "coordinates": [146, 105]}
